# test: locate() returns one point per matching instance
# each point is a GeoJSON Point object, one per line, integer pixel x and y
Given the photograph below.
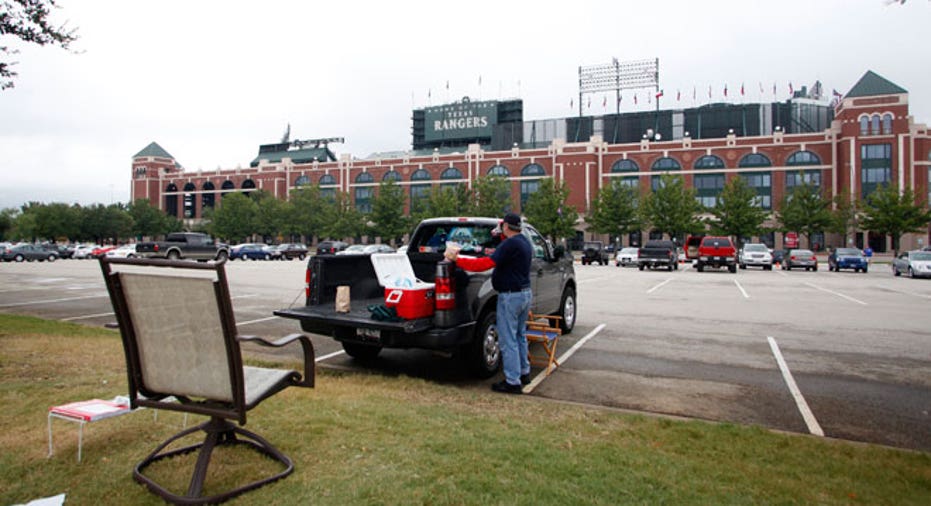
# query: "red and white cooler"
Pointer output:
{"type": "Point", "coordinates": [394, 271]}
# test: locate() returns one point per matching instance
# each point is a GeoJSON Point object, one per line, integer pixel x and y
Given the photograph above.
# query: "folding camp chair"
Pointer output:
{"type": "Point", "coordinates": [183, 354]}
{"type": "Point", "coordinates": [544, 329]}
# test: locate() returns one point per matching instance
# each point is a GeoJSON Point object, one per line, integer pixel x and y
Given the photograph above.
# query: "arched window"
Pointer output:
{"type": "Point", "coordinates": [327, 186]}
{"type": "Point", "coordinates": [761, 181]}
{"type": "Point", "coordinates": [226, 187]}
{"type": "Point", "coordinates": [887, 124]}
{"type": "Point", "coordinates": [530, 186]}
{"type": "Point", "coordinates": [392, 175]}
{"type": "Point", "coordinates": [364, 194]}
{"type": "Point", "coordinates": [207, 198]}
{"type": "Point", "coordinates": [708, 187]}
{"type": "Point", "coordinates": [664, 164]}
{"type": "Point", "coordinates": [171, 201]}
{"type": "Point", "coordinates": [626, 166]}
{"type": "Point", "coordinates": [802, 159]}
{"type": "Point", "coordinates": [247, 186]}
{"type": "Point", "coordinates": [450, 173]}
{"type": "Point", "coordinates": [499, 170]}
{"type": "Point", "coordinates": [189, 200]}
{"type": "Point", "coordinates": [874, 124]}
{"type": "Point", "coordinates": [864, 125]}
{"type": "Point", "coordinates": [302, 180]}
{"type": "Point", "coordinates": [420, 191]}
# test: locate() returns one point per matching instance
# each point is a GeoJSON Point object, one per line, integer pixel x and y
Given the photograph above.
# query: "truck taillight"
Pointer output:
{"type": "Point", "coordinates": [444, 289]}
{"type": "Point", "coordinates": [155, 248]}
{"type": "Point", "coordinates": [307, 283]}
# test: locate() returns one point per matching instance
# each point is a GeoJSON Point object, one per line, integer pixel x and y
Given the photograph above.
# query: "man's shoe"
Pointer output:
{"type": "Point", "coordinates": [504, 387]}
{"type": "Point", "coordinates": [525, 379]}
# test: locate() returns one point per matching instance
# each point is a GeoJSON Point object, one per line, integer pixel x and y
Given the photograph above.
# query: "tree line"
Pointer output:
{"type": "Point", "coordinates": [310, 213]}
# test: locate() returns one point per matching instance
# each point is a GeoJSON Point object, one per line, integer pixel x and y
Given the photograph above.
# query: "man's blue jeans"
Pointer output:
{"type": "Point", "coordinates": [511, 322]}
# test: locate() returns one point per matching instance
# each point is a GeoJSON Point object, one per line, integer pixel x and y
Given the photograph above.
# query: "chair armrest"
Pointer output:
{"type": "Point", "coordinates": [306, 345]}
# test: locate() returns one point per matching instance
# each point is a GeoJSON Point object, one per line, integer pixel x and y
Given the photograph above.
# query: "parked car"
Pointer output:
{"type": "Point", "coordinates": [755, 255]}
{"type": "Point", "coordinates": [355, 249]}
{"type": "Point", "coordinates": [83, 251]}
{"type": "Point", "coordinates": [917, 264]}
{"type": "Point", "coordinates": [778, 255]}
{"type": "Point", "coordinates": [594, 251]}
{"type": "Point", "coordinates": [100, 251]}
{"type": "Point", "coordinates": [378, 248]}
{"type": "Point", "coordinates": [250, 251]}
{"type": "Point", "coordinates": [124, 251]}
{"type": "Point", "coordinates": [656, 253]}
{"type": "Point", "coordinates": [60, 249]}
{"type": "Point", "coordinates": [800, 258]}
{"type": "Point", "coordinates": [29, 253]}
{"type": "Point", "coordinates": [716, 251]}
{"type": "Point", "coordinates": [847, 258]}
{"type": "Point", "coordinates": [331, 247]}
{"type": "Point", "coordinates": [289, 251]}
{"type": "Point", "coordinates": [626, 257]}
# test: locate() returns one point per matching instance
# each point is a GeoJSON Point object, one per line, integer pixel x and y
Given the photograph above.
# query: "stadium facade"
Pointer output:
{"type": "Point", "coordinates": [866, 138]}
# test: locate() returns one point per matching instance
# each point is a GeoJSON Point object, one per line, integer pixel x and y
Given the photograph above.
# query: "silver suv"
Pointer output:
{"type": "Point", "coordinates": [755, 255]}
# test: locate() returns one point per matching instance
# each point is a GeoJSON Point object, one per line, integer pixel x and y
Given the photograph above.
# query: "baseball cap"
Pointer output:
{"type": "Point", "coordinates": [513, 221]}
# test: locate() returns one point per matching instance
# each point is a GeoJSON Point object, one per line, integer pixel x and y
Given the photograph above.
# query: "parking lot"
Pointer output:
{"type": "Point", "coordinates": [846, 355]}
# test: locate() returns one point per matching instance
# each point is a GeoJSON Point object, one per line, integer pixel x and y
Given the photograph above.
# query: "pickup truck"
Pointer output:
{"type": "Point", "coordinates": [463, 319]}
{"type": "Point", "coordinates": [716, 252]}
{"type": "Point", "coordinates": [595, 251]}
{"type": "Point", "coordinates": [658, 253]}
{"type": "Point", "coordinates": [184, 245]}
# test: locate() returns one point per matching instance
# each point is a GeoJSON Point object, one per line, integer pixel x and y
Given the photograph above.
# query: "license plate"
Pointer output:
{"type": "Point", "coordinates": [368, 333]}
{"type": "Point", "coordinates": [717, 258]}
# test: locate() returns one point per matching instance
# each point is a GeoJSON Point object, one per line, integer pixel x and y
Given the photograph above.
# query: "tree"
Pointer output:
{"type": "Point", "coordinates": [7, 220]}
{"type": "Point", "coordinates": [57, 220]}
{"type": "Point", "coordinates": [389, 221]}
{"type": "Point", "coordinates": [148, 220]}
{"type": "Point", "coordinates": [736, 213]}
{"type": "Point", "coordinates": [341, 218]}
{"type": "Point", "coordinates": [269, 214]}
{"type": "Point", "coordinates": [491, 196]}
{"type": "Point", "coordinates": [672, 208]}
{"type": "Point", "coordinates": [615, 211]}
{"type": "Point", "coordinates": [28, 21]}
{"type": "Point", "coordinates": [548, 211]}
{"type": "Point", "coordinates": [308, 211]}
{"type": "Point", "coordinates": [846, 216]}
{"type": "Point", "coordinates": [445, 201]}
{"type": "Point", "coordinates": [894, 213]}
{"type": "Point", "coordinates": [805, 211]}
{"type": "Point", "coordinates": [235, 218]}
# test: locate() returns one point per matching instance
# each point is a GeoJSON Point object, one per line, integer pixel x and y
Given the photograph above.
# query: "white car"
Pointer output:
{"type": "Point", "coordinates": [124, 251]}
{"type": "Point", "coordinates": [626, 257]}
{"type": "Point", "coordinates": [755, 255]}
{"type": "Point", "coordinates": [84, 251]}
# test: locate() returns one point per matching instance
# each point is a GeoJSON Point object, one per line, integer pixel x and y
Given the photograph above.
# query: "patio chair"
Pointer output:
{"type": "Point", "coordinates": [183, 354]}
{"type": "Point", "coordinates": [544, 329]}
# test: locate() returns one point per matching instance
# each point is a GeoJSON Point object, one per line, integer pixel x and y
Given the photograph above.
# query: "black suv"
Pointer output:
{"type": "Point", "coordinates": [331, 247]}
{"type": "Point", "coordinates": [595, 251]}
{"type": "Point", "coordinates": [289, 251]}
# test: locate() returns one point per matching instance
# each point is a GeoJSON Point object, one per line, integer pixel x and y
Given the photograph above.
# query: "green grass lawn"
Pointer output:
{"type": "Point", "coordinates": [369, 439]}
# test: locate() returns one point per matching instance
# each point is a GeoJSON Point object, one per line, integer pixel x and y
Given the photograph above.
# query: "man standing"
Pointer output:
{"type": "Point", "coordinates": [511, 279]}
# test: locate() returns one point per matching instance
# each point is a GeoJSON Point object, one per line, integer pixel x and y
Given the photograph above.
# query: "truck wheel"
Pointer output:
{"type": "Point", "coordinates": [701, 267]}
{"type": "Point", "coordinates": [299, 257]}
{"type": "Point", "coordinates": [567, 309]}
{"type": "Point", "coordinates": [640, 267]}
{"type": "Point", "coordinates": [732, 268]}
{"type": "Point", "coordinates": [174, 255]}
{"type": "Point", "coordinates": [483, 355]}
{"type": "Point", "coordinates": [361, 351]}
{"type": "Point", "coordinates": [19, 258]}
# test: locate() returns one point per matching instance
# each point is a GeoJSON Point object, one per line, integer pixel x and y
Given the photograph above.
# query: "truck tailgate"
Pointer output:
{"type": "Point", "coordinates": [358, 316]}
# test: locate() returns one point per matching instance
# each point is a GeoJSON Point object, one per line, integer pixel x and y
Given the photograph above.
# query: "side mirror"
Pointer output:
{"type": "Point", "coordinates": [559, 252]}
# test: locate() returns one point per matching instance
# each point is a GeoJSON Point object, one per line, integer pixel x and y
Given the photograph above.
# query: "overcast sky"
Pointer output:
{"type": "Point", "coordinates": [211, 80]}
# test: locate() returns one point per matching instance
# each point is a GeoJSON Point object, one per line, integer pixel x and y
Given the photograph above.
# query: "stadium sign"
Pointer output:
{"type": "Point", "coordinates": [461, 120]}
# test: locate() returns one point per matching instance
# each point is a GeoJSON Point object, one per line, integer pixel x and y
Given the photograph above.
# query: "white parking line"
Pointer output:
{"type": "Point", "coordinates": [50, 301]}
{"type": "Point", "coordinates": [86, 316]}
{"type": "Point", "coordinates": [562, 359]}
{"type": "Point", "coordinates": [744, 292]}
{"type": "Point", "coordinates": [330, 355]}
{"type": "Point", "coordinates": [832, 292]}
{"type": "Point", "coordinates": [810, 421]}
{"type": "Point", "coordinates": [256, 321]}
{"type": "Point", "coordinates": [658, 286]}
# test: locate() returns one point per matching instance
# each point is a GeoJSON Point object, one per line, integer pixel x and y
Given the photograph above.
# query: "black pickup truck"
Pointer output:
{"type": "Point", "coordinates": [463, 320]}
{"type": "Point", "coordinates": [658, 253]}
{"type": "Point", "coordinates": [184, 245]}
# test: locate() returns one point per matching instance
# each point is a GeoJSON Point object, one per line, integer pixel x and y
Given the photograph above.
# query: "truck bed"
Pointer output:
{"type": "Point", "coordinates": [358, 316]}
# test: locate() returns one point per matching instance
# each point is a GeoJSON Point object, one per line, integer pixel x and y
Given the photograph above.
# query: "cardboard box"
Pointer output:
{"type": "Point", "coordinates": [411, 301]}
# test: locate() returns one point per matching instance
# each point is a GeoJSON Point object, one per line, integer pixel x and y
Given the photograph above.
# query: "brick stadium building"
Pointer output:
{"type": "Point", "coordinates": [866, 140]}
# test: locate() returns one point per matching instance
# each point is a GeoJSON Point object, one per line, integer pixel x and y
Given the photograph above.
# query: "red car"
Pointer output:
{"type": "Point", "coordinates": [101, 251]}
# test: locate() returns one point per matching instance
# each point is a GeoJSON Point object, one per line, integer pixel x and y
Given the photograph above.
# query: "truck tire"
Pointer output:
{"type": "Point", "coordinates": [640, 267]}
{"type": "Point", "coordinates": [567, 310]}
{"type": "Point", "coordinates": [483, 355]}
{"type": "Point", "coordinates": [361, 351]}
{"type": "Point", "coordinates": [174, 255]}
{"type": "Point", "coordinates": [701, 267]}
{"type": "Point", "coordinates": [732, 268]}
